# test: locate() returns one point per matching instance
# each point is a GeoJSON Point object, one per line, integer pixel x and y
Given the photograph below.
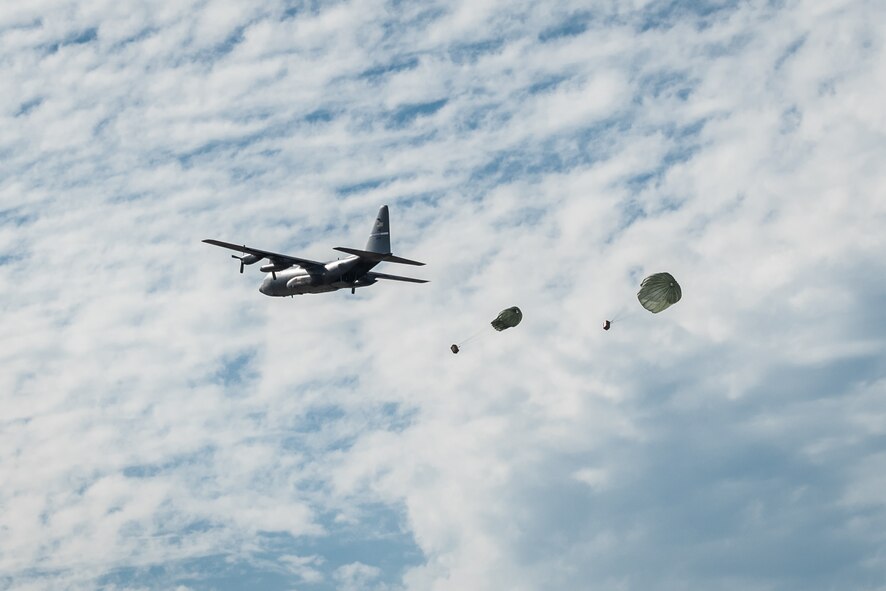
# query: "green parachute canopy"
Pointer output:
{"type": "Point", "coordinates": [507, 318]}
{"type": "Point", "coordinates": [659, 292]}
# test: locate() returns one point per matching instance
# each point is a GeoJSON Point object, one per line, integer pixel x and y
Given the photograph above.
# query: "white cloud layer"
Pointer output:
{"type": "Point", "coordinates": [167, 426]}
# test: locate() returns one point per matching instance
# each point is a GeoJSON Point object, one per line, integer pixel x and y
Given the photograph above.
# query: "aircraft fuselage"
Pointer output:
{"type": "Point", "coordinates": [347, 273]}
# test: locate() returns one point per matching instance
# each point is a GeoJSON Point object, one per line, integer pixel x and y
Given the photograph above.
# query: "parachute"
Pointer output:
{"type": "Point", "coordinates": [507, 318]}
{"type": "Point", "coordinates": [659, 292]}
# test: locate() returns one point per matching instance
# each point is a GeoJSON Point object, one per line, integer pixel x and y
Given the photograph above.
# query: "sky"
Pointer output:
{"type": "Point", "coordinates": [166, 426]}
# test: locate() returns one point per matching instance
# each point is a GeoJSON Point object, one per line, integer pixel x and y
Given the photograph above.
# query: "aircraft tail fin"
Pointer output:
{"type": "Point", "coordinates": [378, 247]}
{"type": "Point", "coordinates": [380, 237]}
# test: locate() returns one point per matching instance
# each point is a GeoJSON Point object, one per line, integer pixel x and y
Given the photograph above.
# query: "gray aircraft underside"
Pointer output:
{"type": "Point", "coordinates": [289, 276]}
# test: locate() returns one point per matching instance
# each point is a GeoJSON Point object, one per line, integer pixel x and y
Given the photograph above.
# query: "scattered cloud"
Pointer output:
{"type": "Point", "coordinates": [167, 426]}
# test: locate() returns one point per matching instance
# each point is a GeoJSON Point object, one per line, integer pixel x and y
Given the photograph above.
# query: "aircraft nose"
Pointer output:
{"type": "Point", "coordinates": [268, 286]}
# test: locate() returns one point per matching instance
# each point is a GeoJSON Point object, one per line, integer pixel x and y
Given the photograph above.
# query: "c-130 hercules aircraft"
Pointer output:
{"type": "Point", "coordinates": [289, 276]}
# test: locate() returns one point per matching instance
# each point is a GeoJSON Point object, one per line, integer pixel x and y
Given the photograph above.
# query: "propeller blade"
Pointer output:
{"type": "Point", "coordinates": [233, 256]}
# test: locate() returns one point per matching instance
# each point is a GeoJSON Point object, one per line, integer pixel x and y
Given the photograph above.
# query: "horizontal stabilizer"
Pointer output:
{"type": "Point", "coordinates": [395, 277]}
{"type": "Point", "coordinates": [377, 256]}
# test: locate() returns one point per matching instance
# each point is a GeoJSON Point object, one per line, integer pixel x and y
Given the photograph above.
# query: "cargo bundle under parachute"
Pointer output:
{"type": "Point", "coordinates": [507, 318]}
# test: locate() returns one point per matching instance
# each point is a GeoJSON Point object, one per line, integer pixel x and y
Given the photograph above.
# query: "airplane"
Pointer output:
{"type": "Point", "coordinates": [291, 276]}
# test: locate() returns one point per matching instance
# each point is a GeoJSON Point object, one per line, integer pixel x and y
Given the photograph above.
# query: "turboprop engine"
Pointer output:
{"type": "Point", "coordinates": [246, 259]}
{"type": "Point", "coordinates": [273, 268]}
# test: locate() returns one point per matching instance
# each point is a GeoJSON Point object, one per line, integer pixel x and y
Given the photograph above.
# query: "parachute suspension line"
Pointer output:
{"type": "Point", "coordinates": [617, 317]}
{"type": "Point", "coordinates": [622, 316]}
{"type": "Point", "coordinates": [472, 337]}
{"type": "Point", "coordinates": [457, 346]}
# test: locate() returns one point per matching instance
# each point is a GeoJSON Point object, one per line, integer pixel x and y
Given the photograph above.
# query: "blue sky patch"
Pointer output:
{"type": "Point", "coordinates": [83, 37]}
{"type": "Point", "coordinates": [790, 51]}
{"type": "Point", "coordinates": [28, 106]}
{"type": "Point", "coordinates": [470, 52]}
{"type": "Point", "coordinates": [362, 186]}
{"type": "Point", "coordinates": [400, 65]}
{"type": "Point", "coordinates": [572, 27]}
{"type": "Point", "coordinates": [319, 116]}
{"type": "Point", "coordinates": [667, 13]}
{"type": "Point", "coordinates": [16, 216]}
{"type": "Point", "coordinates": [237, 370]}
{"type": "Point", "coordinates": [406, 114]}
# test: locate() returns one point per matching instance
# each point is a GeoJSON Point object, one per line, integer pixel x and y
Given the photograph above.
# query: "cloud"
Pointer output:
{"type": "Point", "coordinates": [167, 426]}
{"type": "Point", "coordinates": [356, 575]}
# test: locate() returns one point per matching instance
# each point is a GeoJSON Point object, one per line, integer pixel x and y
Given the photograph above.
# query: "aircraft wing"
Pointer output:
{"type": "Point", "coordinates": [274, 257]}
{"type": "Point", "coordinates": [375, 275]}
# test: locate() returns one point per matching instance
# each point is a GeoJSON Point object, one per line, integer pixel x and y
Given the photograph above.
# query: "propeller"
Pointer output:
{"type": "Point", "coordinates": [276, 265]}
{"type": "Point", "coordinates": [242, 264]}
{"type": "Point", "coordinates": [247, 259]}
